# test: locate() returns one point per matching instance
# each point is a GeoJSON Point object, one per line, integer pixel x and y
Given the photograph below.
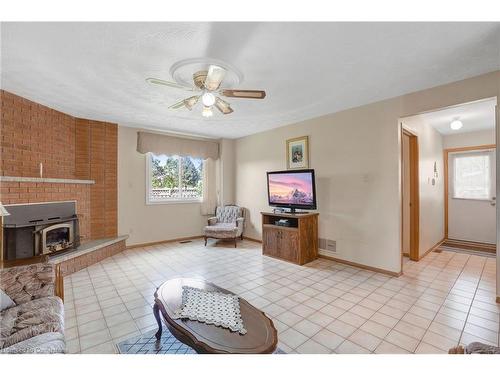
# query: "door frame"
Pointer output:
{"type": "Point", "coordinates": [446, 153]}
{"type": "Point", "coordinates": [414, 195]}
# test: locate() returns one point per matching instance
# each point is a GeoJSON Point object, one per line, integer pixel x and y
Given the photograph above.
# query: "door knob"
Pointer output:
{"type": "Point", "coordinates": [493, 201]}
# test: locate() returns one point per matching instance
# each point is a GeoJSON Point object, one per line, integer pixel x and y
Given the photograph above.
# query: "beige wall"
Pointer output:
{"type": "Point", "coordinates": [148, 223]}
{"type": "Point", "coordinates": [226, 167]}
{"type": "Point", "coordinates": [158, 222]}
{"type": "Point", "coordinates": [482, 137]}
{"type": "Point", "coordinates": [356, 154]}
{"type": "Point", "coordinates": [431, 196]}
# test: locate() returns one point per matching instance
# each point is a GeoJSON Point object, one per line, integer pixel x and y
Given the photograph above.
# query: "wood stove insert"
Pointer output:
{"type": "Point", "coordinates": [40, 229]}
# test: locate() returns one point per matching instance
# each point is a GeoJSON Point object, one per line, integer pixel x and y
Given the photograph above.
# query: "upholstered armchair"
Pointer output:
{"type": "Point", "coordinates": [227, 223]}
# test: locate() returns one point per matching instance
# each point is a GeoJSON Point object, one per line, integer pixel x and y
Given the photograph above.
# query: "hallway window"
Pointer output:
{"type": "Point", "coordinates": [472, 175]}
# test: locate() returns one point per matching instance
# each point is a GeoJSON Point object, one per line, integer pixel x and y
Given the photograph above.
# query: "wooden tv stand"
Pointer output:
{"type": "Point", "coordinates": [297, 243]}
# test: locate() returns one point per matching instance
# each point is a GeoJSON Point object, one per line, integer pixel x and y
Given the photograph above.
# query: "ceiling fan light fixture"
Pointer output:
{"type": "Point", "coordinates": [215, 75]}
{"type": "Point", "coordinates": [208, 99]}
{"type": "Point", "coordinates": [456, 124]}
{"type": "Point", "coordinates": [207, 112]}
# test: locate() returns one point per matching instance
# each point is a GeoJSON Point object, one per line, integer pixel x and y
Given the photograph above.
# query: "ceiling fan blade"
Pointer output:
{"type": "Point", "coordinates": [214, 77]}
{"type": "Point", "coordinates": [247, 94]}
{"type": "Point", "coordinates": [175, 85]}
{"type": "Point", "coordinates": [177, 105]}
{"type": "Point", "coordinates": [191, 102]}
{"type": "Point", "coordinates": [223, 106]}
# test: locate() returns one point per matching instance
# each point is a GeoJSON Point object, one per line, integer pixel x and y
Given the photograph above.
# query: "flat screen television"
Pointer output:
{"type": "Point", "coordinates": [292, 189]}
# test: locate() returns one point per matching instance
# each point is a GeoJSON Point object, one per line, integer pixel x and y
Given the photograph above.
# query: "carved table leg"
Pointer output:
{"type": "Point", "coordinates": [156, 312]}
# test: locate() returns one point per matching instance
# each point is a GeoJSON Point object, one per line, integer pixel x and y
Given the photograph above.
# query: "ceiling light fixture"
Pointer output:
{"type": "Point", "coordinates": [456, 124]}
{"type": "Point", "coordinates": [207, 112]}
{"type": "Point", "coordinates": [208, 99]}
{"type": "Point", "coordinates": [207, 85]}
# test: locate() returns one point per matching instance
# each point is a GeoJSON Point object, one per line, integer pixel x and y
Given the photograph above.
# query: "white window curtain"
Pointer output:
{"type": "Point", "coordinates": [472, 175]}
{"type": "Point", "coordinates": [209, 201]}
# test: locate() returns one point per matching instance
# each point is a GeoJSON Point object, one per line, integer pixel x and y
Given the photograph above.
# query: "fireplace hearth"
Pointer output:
{"type": "Point", "coordinates": [40, 229]}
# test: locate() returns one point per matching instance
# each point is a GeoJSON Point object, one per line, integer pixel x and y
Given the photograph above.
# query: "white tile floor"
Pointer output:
{"type": "Point", "coordinates": [323, 307]}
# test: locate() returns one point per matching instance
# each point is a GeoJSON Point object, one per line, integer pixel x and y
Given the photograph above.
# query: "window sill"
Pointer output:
{"type": "Point", "coordinates": [173, 201]}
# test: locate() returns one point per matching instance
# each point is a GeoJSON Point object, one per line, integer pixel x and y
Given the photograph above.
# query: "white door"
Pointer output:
{"type": "Point", "coordinates": [471, 197]}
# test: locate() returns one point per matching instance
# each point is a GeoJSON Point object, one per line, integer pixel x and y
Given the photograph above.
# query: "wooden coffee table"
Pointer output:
{"type": "Point", "coordinates": [261, 336]}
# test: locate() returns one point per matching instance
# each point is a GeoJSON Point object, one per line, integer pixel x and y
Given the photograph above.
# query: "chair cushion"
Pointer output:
{"type": "Point", "coordinates": [31, 319]}
{"type": "Point", "coordinates": [222, 230]}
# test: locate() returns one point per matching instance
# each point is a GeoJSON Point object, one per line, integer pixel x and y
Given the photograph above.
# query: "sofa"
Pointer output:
{"type": "Point", "coordinates": [34, 321]}
{"type": "Point", "coordinates": [226, 224]}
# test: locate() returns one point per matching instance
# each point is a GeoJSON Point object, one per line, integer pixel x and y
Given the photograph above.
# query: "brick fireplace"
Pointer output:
{"type": "Point", "coordinates": [78, 158]}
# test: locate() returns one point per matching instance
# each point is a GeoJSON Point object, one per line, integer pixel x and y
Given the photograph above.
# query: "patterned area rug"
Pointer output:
{"type": "Point", "coordinates": [147, 344]}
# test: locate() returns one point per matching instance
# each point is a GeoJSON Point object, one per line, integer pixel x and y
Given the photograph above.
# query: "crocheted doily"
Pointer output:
{"type": "Point", "coordinates": [211, 307]}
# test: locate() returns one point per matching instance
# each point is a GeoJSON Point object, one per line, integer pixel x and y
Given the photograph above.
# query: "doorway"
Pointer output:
{"type": "Point", "coordinates": [410, 194]}
{"type": "Point", "coordinates": [455, 180]}
{"type": "Point", "coordinates": [470, 197]}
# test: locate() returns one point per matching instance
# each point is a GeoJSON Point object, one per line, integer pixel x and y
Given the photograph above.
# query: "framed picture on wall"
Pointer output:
{"type": "Point", "coordinates": [297, 153]}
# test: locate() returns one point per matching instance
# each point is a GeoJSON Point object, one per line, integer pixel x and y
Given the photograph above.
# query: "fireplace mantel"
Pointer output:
{"type": "Point", "coordinates": [47, 180]}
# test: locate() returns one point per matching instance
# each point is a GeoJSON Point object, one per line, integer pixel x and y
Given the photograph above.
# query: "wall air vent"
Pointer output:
{"type": "Point", "coordinates": [327, 244]}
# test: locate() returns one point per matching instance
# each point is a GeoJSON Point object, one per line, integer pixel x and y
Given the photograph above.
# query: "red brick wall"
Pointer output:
{"type": "Point", "coordinates": [97, 144]}
{"type": "Point", "coordinates": [33, 134]}
{"type": "Point", "coordinates": [111, 181]}
{"type": "Point", "coordinates": [82, 149]}
{"type": "Point", "coordinates": [68, 148]}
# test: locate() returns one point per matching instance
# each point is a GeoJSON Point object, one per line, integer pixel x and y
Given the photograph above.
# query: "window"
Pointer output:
{"type": "Point", "coordinates": [174, 179]}
{"type": "Point", "coordinates": [472, 177]}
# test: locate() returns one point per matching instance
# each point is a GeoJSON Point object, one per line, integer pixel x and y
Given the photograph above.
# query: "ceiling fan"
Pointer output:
{"type": "Point", "coordinates": [207, 86]}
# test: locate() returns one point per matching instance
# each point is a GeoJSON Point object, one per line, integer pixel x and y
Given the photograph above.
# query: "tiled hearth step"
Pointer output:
{"type": "Point", "coordinates": [88, 253]}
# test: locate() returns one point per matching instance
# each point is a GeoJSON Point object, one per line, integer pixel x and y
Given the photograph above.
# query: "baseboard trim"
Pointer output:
{"type": "Point", "coordinates": [145, 244]}
{"type": "Point", "coordinates": [252, 239]}
{"type": "Point", "coordinates": [432, 248]}
{"type": "Point", "coordinates": [363, 266]}
{"type": "Point", "coordinates": [471, 245]}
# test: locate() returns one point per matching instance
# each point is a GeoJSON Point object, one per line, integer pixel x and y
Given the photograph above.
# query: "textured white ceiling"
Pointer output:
{"type": "Point", "coordinates": [97, 70]}
{"type": "Point", "coordinates": [475, 116]}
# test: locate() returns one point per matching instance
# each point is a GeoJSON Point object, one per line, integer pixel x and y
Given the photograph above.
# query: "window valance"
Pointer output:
{"type": "Point", "coordinates": [169, 145]}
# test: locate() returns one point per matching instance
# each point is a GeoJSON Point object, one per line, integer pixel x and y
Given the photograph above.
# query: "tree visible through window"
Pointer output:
{"type": "Point", "coordinates": [174, 178]}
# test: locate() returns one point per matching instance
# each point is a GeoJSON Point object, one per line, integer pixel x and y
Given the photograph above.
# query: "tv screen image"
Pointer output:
{"type": "Point", "coordinates": [294, 189]}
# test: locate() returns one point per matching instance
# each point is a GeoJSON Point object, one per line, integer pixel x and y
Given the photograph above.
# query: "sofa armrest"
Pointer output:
{"type": "Point", "coordinates": [46, 343]}
{"type": "Point", "coordinates": [26, 283]}
{"type": "Point", "coordinates": [212, 220]}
